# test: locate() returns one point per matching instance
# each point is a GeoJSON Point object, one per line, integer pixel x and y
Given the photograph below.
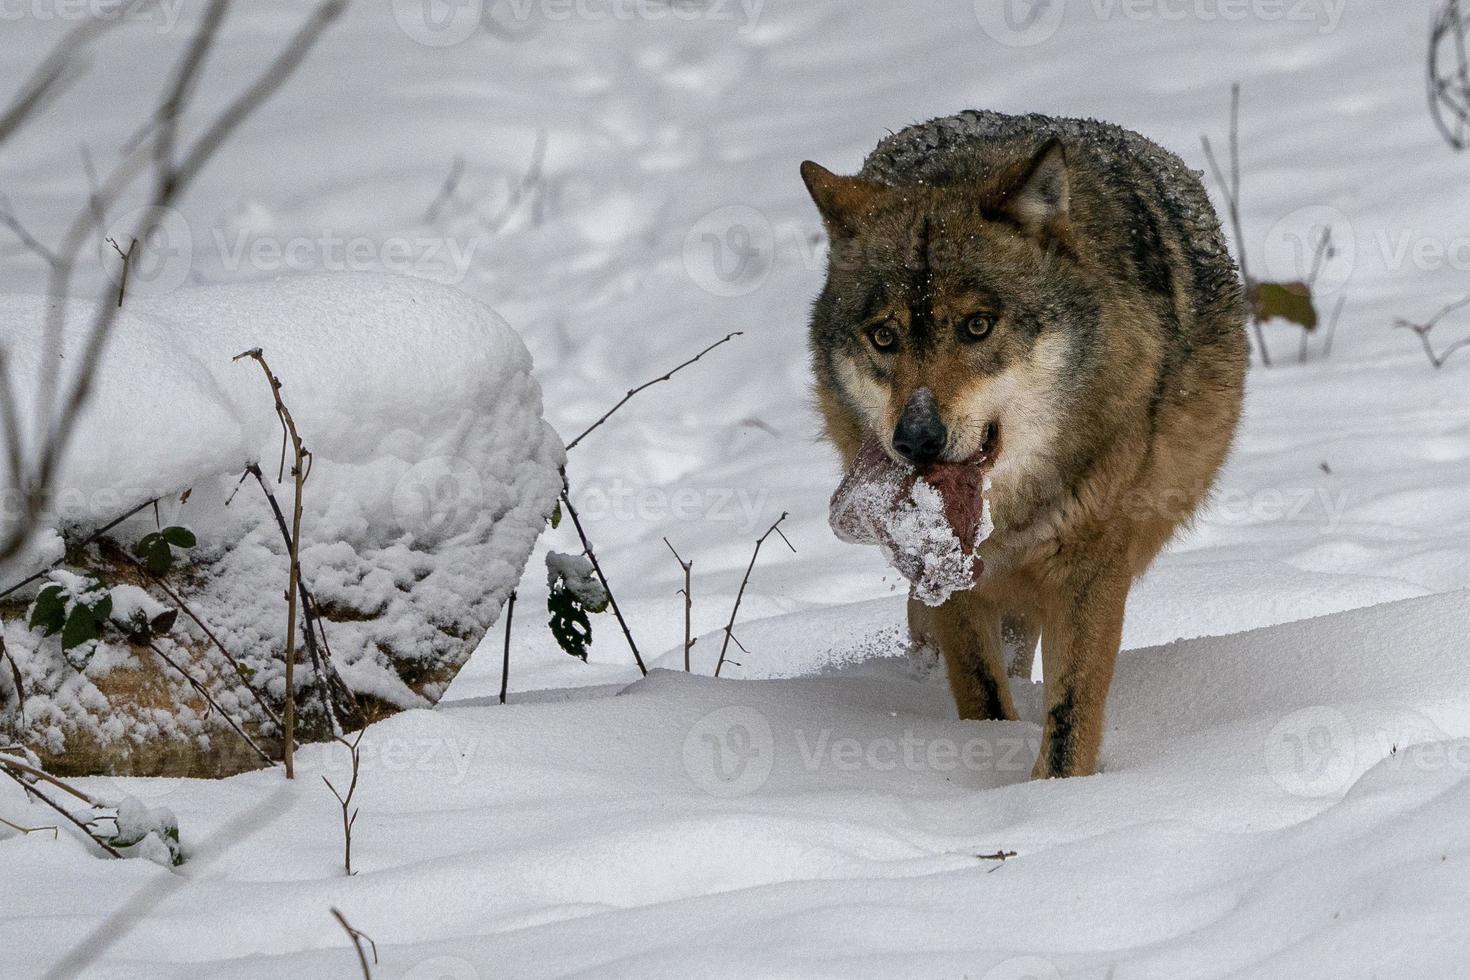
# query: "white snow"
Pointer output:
{"type": "Point", "coordinates": [1286, 802]}
{"type": "Point", "coordinates": [432, 473]}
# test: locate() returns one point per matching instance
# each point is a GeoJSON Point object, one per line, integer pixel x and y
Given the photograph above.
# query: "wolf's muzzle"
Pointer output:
{"type": "Point", "coordinates": [920, 436]}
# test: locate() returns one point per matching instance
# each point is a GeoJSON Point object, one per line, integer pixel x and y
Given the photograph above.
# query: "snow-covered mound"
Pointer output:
{"type": "Point", "coordinates": [431, 477]}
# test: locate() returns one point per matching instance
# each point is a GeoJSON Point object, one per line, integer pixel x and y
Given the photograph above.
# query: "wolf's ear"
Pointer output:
{"type": "Point", "coordinates": [843, 201]}
{"type": "Point", "coordinates": [1039, 197]}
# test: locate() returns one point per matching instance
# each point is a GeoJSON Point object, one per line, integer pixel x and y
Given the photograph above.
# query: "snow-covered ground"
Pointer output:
{"type": "Point", "coordinates": [1282, 795]}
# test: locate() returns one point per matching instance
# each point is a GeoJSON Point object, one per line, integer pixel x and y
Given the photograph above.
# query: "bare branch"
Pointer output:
{"type": "Point", "coordinates": [203, 692]}
{"type": "Point", "coordinates": [10, 766]}
{"type": "Point", "coordinates": [730, 627]}
{"type": "Point", "coordinates": [55, 832]}
{"type": "Point", "coordinates": [688, 591]}
{"type": "Point", "coordinates": [648, 384]}
{"type": "Point", "coordinates": [357, 936]}
{"type": "Point", "coordinates": [446, 190]}
{"type": "Point", "coordinates": [9, 220]}
{"type": "Point", "coordinates": [95, 535]}
{"type": "Point", "coordinates": [1231, 189]}
{"type": "Point", "coordinates": [61, 65]}
{"type": "Point", "coordinates": [566, 500]}
{"type": "Point", "coordinates": [332, 690]}
{"type": "Point", "coordinates": [1449, 88]}
{"type": "Point", "coordinates": [349, 815]}
{"type": "Point", "coordinates": [1424, 330]}
{"type": "Point", "coordinates": [60, 406]}
{"type": "Point", "coordinates": [298, 474]}
{"type": "Point", "coordinates": [510, 608]}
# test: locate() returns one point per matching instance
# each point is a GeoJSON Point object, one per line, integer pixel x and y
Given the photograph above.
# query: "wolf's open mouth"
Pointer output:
{"type": "Point", "coordinates": [983, 458]}
{"type": "Point", "coordinates": [989, 446]}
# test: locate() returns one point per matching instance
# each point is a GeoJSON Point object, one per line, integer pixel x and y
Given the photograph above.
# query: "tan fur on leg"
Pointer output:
{"type": "Point", "coordinates": [1079, 647]}
{"type": "Point", "coordinates": [968, 631]}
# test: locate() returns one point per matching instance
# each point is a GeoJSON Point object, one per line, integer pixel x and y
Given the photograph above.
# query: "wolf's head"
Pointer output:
{"type": "Point", "coordinates": [956, 319]}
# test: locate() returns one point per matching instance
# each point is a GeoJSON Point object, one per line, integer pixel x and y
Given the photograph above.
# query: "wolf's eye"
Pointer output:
{"type": "Point", "coordinates": [977, 327]}
{"type": "Point", "coordinates": [883, 337]}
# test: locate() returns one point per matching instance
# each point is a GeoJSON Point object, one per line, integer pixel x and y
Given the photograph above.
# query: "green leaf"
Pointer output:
{"type": "Point", "coordinates": [49, 611]}
{"type": "Point", "coordinates": [160, 557]}
{"type": "Point", "coordinates": [556, 516]}
{"type": "Point", "coordinates": [246, 673]}
{"type": "Point", "coordinates": [81, 626]}
{"type": "Point", "coordinates": [179, 537]}
{"type": "Point", "coordinates": [163, 622]}
{"type": "Point", "coordinates": [1291, 301]}
{"type": "Point", "coordinates": [142, 547]}
{"type": "Point", "coordinates": [569, 623]}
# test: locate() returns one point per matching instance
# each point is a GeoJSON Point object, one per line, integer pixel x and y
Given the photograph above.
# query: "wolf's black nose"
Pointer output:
{"type": "Point", "coordinates": [920, 436]}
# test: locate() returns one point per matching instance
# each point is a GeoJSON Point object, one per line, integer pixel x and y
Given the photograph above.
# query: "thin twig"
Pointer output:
{"type": "Point", "coordinates": [127, 262]}
{"type": "Point", "coordinates": [22, 766]}
{"type": "Point", "coordinates": [203, 692]}
{"type": "Point", "coordinates": [687, 591]}
{"type": "Point", "coordinates": [15, 678]}
{"type": "Point", "coordinates": [510, 608]}
{"type": "Point", "coordinates": [1423, 331]}
{"type": "Point", "coordinates": [298, 474]}
{"type": "Point", "coordinates": [446, 191]}
{"type": "Point", "coordinates": [648, 384]}
{"type": "Point", "coordinates": [322, 664]}
{"type": "Point", "coordinates": [58, 68]}
{"type": "Point", "coordinates": [1231, 189]}
{"type": "Point", "coordinates": [6, 767]}
{"type": "Point", "coordinates": [60, 406]}
{"type": "Point", "coordinates": [55, 833]}
{"type": "Point", "coordinates": [79, 546]}
{"type": "Point", "coordinates": [349, 815]}
{"type": "Point", "coordinates": [9, 220]}
{"type": "Point", "coordinates": [518, 191]}
{"type": "Point", "coordinates": [730, 627]}
{"type": "Point", "coordinates": [357, 936]}
{"type": "Point", "coordinates": [566, 500]}
{"type": "Point", "coordinates": [997, 856]}
{"type": "Point", "coordinates": [1331, 332]}
{"type": "Point", "coordinates": [187, 611]}
{"type": "Point", "coordinates": [1449, 93]}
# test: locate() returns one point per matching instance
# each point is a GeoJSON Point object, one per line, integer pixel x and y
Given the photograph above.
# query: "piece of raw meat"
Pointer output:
{"type": "Point", "coordinates": [927, 524]}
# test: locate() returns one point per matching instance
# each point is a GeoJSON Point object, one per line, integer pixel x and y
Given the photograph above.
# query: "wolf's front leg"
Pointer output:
{"type": "Point", "coordinates": [968, 632]}
{"type": "Point", "coordinates": [1079, 646]}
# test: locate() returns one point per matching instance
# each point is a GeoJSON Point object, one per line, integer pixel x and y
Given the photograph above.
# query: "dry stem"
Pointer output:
{"type": "Point", "coordinates": [299, 471]}
{"type": "Point", "coordinates": [688, 593]}
{"type": "Point", "coordinates": [730, 627]}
